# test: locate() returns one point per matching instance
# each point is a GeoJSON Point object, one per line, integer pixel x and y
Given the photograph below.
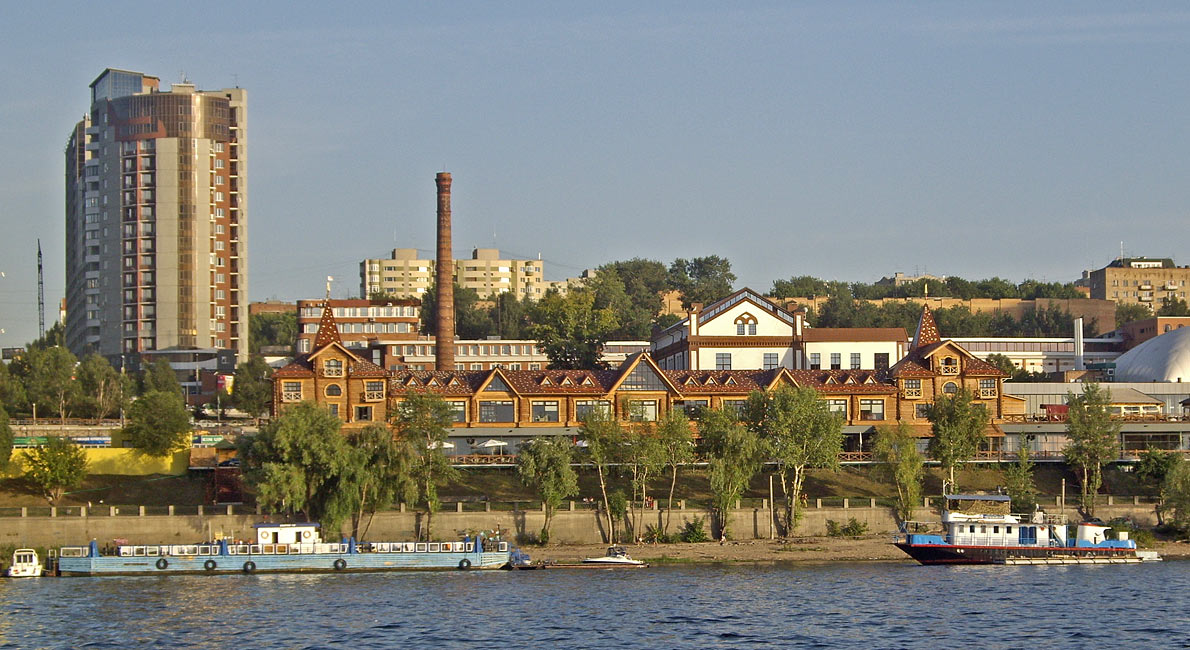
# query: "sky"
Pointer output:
{"type": "Point", "coordinates": [844, 140]}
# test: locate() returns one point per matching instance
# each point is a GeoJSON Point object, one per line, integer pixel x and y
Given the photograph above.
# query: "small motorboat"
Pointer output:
{"type": "Point", "coordinates": [25, 564]}
{"type": "Point", "coordinates": [616, 556]}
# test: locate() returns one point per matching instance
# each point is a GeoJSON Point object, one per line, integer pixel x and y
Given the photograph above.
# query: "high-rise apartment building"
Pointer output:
{"type": "Point", "coordinates": [156, 215]}
{"type": "Point", "coordinates": [1138, 280]}
{"type": "Point", "coordinates": [407, 276]}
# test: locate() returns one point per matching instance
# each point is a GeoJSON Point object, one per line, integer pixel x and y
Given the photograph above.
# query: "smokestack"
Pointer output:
{"type": "Point", "coordinates": [1079, 352]}
{"type": "Point", "coordinates": [445, 334]}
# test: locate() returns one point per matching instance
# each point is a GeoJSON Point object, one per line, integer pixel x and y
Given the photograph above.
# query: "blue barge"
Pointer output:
{"type": "Point", "coordinates": [282, 548]}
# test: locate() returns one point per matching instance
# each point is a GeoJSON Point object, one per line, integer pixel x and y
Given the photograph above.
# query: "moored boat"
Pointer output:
{"type": "Point", "coordinates": [616, 556]}
{"type": "Point", "coordinates": [282, 548]}
{"type": "Point", "coordinates": [25, 564]}
{"type": "Point", "coordinates": [979, 529]}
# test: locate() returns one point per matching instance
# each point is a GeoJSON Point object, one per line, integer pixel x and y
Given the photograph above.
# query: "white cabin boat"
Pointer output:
{"type": "Point", "coordinates": [25, 564]}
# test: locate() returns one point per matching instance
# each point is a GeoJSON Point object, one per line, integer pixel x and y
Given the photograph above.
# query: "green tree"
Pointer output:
{"type": "Point", "coordinates": [471, 320]}
{"type": "Point", "coordinates": [423, 421]}
{"type": "Point", "coordinates": [160, 376]}
{"type": "Point", "coordinates": [545, 465]}
{"type": "Point", "coordinates": [1093, 438]}
{"type": "Point", "coordinates": [104, 391]}
{"type": "Point", "coordinates": [50, 382]}
{"type": "Point", "coordinates": [701, 279]}
{"type": "Point", "coordinates": [604, 438]}
{"type": "Point", "coordinates": [296, 460]}
{"type": "Point", "coordinates": [734, 454]}
{"type": "Point", "coordinates": [252, 390]}
{"type": "Point", "coordinates": [375, 474]}
{"type": "Point", "coordinates": [5, 439]}
{"type": "Point", "coordinates": [1154, 465]}
{"type": "Point", "coordinates": [799, 433]}
{"type": "Point", "coordinates": [899, 461]}
{"type": "Point", "coordinates": [802, 286]}
{"type": "Point", "coordinates": [1175, 496]}
{"type": "Point", "coordinates": [1173, 307]}
{"type": "Point", "coordinates": [56, 467]}
{"type": "Point", "coordinates": [571, 329]}
{"type": "Point", "coordinates": [158, 423]}
{"type": "Point", "coordinates": [643, 456]}
{"type": "Point", "coordinates": [511, 316]}
{"type": "Point", "coordinates": [1002, 363]}
{"type": "Point", "coordinates": [677, 449]}
{"type": "Point", "coordinates": [12, 389]}
{"type": "Point", "coordinates": [1018, 481]}
{"type": "Point", "coordinates": [958, 426]}
{"type": "Point", "coordinates": [272, 330]}
{"type": "Point", "coordinates": [1129, 312]}
{"type": "Point", "coordinates": [644, 282]}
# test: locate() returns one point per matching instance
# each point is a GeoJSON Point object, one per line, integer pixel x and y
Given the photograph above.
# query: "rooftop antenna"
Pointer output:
{"type": "Point", "coordinates": [40, 293]}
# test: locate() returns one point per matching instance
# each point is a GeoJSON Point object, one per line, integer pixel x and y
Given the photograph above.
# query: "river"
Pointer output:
{"type": "Point", "coordinates": [869, 605]}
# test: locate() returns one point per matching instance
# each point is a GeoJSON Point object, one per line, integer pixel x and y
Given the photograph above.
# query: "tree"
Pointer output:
{"type": "Point", "coordinates": [12, 390]}
{"type": "Point", "coordinates": [296, 459]}
{"type": "Point", "coordinates": [1154, 465]}
{"type": "Point", "coordinates": [643, 458]}
{"type": "Point", "coordinates": [511, 316]}
{"type": "Point", "coordinates": [677, 449]}
{"type": "Point", "coordinates": [571, 329]}
{"type": "Point", "coordinates": [104, 391]}
{"type": "Point", "coordinates": [471, 321]}
{"type": "Point", "coordinates": [605, 440]}
{"type": "Point", "coordinates": [1175, 496]}
{"type": "Point", "coordinates": [1018, 481]}
{"type": "Point", "coordinates": [734, 454]}
{"type": "Point", "coordinates": [1002, 363]}
{"type": "Point", "coordinates": [644, 282]}
{"type": "Point", "coordinates": [899, 461]}
{"type": "Point", "coordinates": [959, 427]}
{"type": "Point", "coordinates": [1128, 312]}
{"type": "Point", "coordinates": [160, 376]}
{"type": "Point", "coordinates": [252, 390]}
{"type": "Point", "coordinates": [545, 465]}
{"type": "Point", "coordinates": [5, 439]}
{"type": "Point", "coordinates": [1173, 307]}
{"type": "Point", "coordinates": [423, 421]}
{"type": "Point", "coordinates": [272, 330]}
{"type": "Point", "coordinates": [802, 286]}
{"type": "Point", "coordinates": [56, 467]}
{"type": "Point", "coordinates": [50, 381]}
{"type": "Point", "coordinates": [158, 423]}
{"type": "Point", "coordinates": [701, 279]}
{"type": "Point", "coordinates": [799, 432]}
{"type": "Point", "coordinates": [1093, 438]}
{"type": "Point", "coordinates": [375, 474]}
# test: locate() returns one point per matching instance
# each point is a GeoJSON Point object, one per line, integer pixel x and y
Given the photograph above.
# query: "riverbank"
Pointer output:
{"type": "Point", "coordinates": [873, 548]}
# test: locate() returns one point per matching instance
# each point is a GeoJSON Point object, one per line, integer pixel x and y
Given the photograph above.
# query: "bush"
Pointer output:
{"type": "Point", "coordinates": [694, 531]}
{"type": "Point", "coordinates": [655, 535]}
{"type": "Point", "coordinates": [852, 529]}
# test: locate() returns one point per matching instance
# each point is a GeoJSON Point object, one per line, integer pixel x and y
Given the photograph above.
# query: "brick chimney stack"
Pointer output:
{"type": "Point", "coordinates": [445, 334]}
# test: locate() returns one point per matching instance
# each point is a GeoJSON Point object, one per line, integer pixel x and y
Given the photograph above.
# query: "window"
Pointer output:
{"type": "Point", "coordinates": [871, 409]}
{"type": "Point", "coordinates": [911, 388]}
{"type": "Point", "coordinates": [836, 360]}
{"type": "Point", "coordinates": [950, 388]}
{"type": "Point", "coordinates": [692, 407]}
{"type": "Point", "coordinates": [642, 410]}
{"type": "Point", "coordinates": [582, 408]}
{"type": "Point", "coordinates": [498, 385]}
{"type": "Point", "coordinates": [815, 361]}
{"type": "Point", "coordinates": [987, 388]}
{"type": "Point", "coordinates": [722, 361]}
{"type": "Point", "coordinates": [458, 411]}
{"type": "Point", "coordinates": [921, 410]}
{"type": "Point", "coordinates": [332, 368]}
{"type": "Point", "coordinates": [363, 414]}
{"type": "Point", "coordinates": [334, 390]}
{"type": "Point", "coordinates": [745, 324]}
{"type": "Point", "coordinates": [770, 360]}
{"type": "Point", "coordinates": [545, 411]}
{"type": "Point", "coordinates": [642, 377]}
{"type": "Point", "coordinates": [291, 391]}
{"type": "Point", "coordinates": [373, 391]}
{"type": "Point", "coordinates": [496, 411]}
{"type": "Point", "coordinates": [333, 408]}
{"type": "Point", "coordinates": [837, 406]}
{"type": "Point", "coordinates": [736, 406]}
{"type": "Point", "coordinates": [881, 361]}
{"type": "Point", "coordinates": [855, 361]}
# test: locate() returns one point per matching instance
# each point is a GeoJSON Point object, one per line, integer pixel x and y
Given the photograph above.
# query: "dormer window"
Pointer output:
{"type": "Point", "coordinates": [332, 368]}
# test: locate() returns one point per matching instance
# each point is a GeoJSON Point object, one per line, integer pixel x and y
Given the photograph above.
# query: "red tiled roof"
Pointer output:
{"type": "Point", "coordinates": [328, 332]}
{"type": "Point", "coordinates": [927, 329]}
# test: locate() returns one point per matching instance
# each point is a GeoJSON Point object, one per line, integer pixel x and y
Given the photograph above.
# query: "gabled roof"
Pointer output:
{"type": "Point", "coordinates": [632, 362]}
{"type": "Point", "coordinates": [927, 343]}
{"type": "Point", "coordinates": [714, 309]}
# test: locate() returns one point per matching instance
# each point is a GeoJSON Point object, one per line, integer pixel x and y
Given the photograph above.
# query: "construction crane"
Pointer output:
{"type": "Point", "coordinates": [40, 294]}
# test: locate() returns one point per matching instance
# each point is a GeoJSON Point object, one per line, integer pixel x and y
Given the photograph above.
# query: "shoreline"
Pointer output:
{"type": "Point", "coordinates": [872, 548]}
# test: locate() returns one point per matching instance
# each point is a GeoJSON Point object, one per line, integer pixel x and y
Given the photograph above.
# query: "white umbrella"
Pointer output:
{"type": "Point", "coordinates": [442, 445]}
{"type": "Point", "coordinates": [488, 444]}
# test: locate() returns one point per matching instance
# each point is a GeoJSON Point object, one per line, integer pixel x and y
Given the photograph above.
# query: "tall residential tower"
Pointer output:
{"type": "Point", "coordinates": [156, 238]}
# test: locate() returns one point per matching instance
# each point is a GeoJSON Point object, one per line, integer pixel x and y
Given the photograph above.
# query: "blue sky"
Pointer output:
{"type": "Point", "coordinates": [843, 140]}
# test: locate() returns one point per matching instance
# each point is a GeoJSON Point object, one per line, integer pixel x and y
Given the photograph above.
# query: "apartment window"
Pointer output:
{"type": "Point", "coordinates": [770, 360]}
{"type": "Point", "coordinates": [583, 408]}
{"type": "Point", "coordinates": [363, 414]}
{"type": "Point", "coordinates": [837, 406]}
{"type": "Point", "coordinates": [871, 409]}
{"type": "Point", "coordinates": [545, 411]}
{"type": "Point", "coordinates": [642, 410]}
{"type": "Point", "coordinates": [496, 411]}
{"type": "Point", "coordinates": [836, 360]}
{"type": "Point", "coordinates": [855, 361]}
{"type": "Point", "coordinates": [722, 361]}
{"type": "Point", "coordinates": [815, 361]}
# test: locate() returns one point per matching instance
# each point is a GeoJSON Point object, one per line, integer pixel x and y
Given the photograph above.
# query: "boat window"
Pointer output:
{"type": "Point", "coordinates": [1008, 529]}
{"type": "Point", "coordinates": [996, 529]}
{"type": "Point", "coordinates": [973, 528]}
{"type": "Point", "coordinates": [983, 530]}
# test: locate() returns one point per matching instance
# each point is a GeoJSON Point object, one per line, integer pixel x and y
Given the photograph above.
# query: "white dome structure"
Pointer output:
{"type": "Point", "coordinates": [1161, 358]}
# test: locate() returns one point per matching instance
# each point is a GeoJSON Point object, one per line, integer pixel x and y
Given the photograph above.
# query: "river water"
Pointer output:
{"type": "Point", "coordinates": [869, 605]}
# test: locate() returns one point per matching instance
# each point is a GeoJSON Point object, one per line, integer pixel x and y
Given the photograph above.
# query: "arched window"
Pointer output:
{"type": "Point", "coordinates": [745, 325]}
{"type": "Point", "coordinates": [950, 388]}
{"type": "Point", "coordinates": [334, 390]}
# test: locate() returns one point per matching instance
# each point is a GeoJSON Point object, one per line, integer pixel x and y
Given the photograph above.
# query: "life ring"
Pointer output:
{"type": "Point", "coordinates": [162, 563]}
{"type": "Point", "coordinates": [209, 565]}
{"type": "Point", "coordinates": [340, 564]}
{"type": "Point", "coordinates": [464, 564]}
{"type": "Point", "coordinates": [249, 567]}
{"type": "Point", "coordinates": [305, 534]}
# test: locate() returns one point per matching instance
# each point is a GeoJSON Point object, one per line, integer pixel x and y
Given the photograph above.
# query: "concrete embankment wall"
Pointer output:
{"type": "Point", "coordinates": [578, 526]}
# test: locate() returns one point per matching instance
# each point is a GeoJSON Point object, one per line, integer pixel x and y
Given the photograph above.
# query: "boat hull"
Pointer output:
{"type": "Point", "coordinates": [297, 563]}
{"type": "Point", "coordinates": [958, 554]}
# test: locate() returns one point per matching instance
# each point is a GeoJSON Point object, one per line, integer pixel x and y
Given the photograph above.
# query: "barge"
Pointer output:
{"type": "Point", "coordinates": [979, 529]}
{"type": "Point", "coordinates": [282, 548]}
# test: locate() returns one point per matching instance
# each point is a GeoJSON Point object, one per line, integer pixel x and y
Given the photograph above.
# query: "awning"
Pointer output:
{"type": "Point", "coordinates": [488, 444]}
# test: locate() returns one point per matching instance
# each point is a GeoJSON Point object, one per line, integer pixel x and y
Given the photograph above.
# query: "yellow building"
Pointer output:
{"type": "Point", "coordinates": [405, 275]}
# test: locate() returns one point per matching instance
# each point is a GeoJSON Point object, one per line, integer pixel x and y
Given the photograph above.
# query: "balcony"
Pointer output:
{"type": "Point", "coordinates": [988, 393]}
{"type": "Point", "coordinates": [332, 372]}
{"type": "Point", "coordinates": [1145, 287]}
{"type": "Point", "coordinates": [911, 393]}
{"type": "Point", "coordinates": [1145, 298]}
{"type": "Point", "coordinates": [291, 396]}
{"type": "Point", "coordinates": [1171, 286]}
{"type": "Point", "coordinates": [373, 396]}
{"type": "Point", "coordinates": [952, 369]}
